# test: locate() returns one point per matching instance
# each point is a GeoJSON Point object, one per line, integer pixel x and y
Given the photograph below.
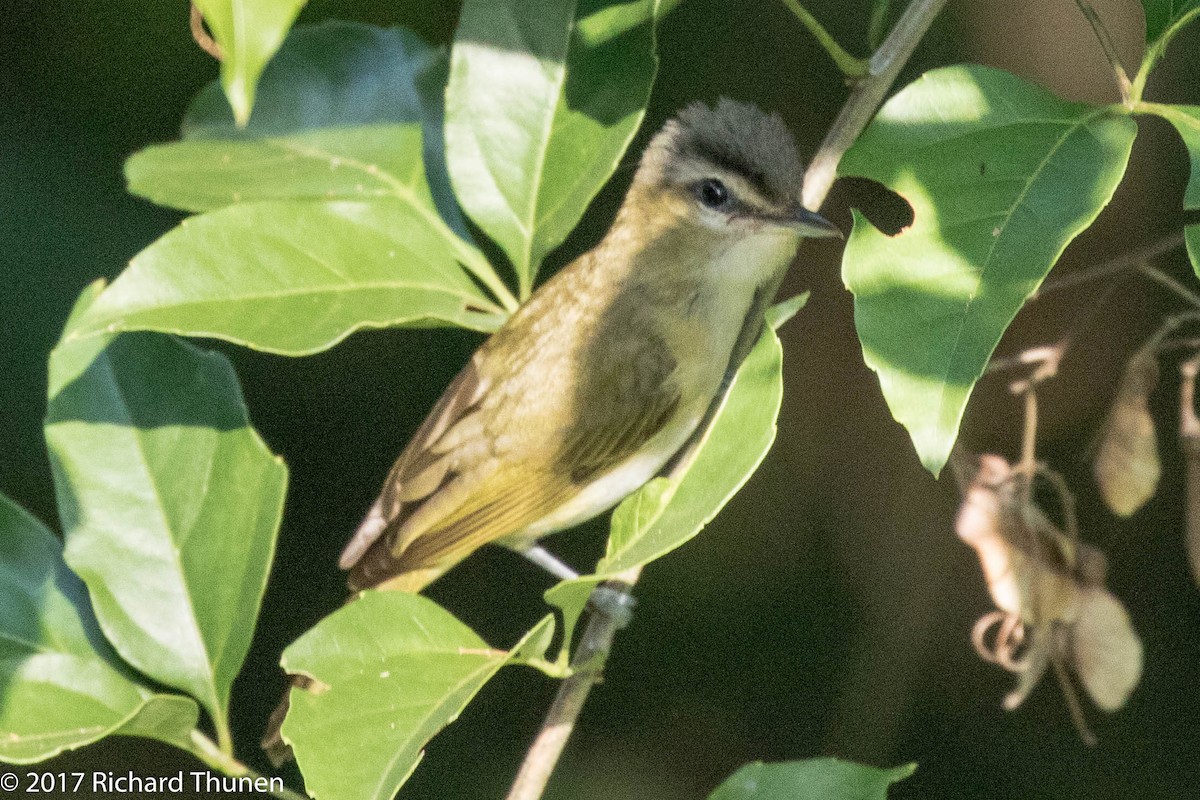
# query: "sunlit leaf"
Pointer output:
{"type": "Point", "coordinates": [812, 779]}
{"type": "Point", "coordinates": [61, 685]}
{"type": "Point", "coordinates": [389, 671]}
{"type": "Point", "coordinates": [665, 514]}
{"type": "Point", "coordinates": [292, 277]}
{"type": "Point", "coordinates": [344, 221]}
{"type": "Point", "coordinates": [248, 33]}
{"type": "Point", "coordinates": [335, 76]}
{"type": "Point", "coordinates": [170, 503]}
{"type": "Point", "coordinates": [543, 99]}
{"type": "Point", "coordinates": [1001, 176]}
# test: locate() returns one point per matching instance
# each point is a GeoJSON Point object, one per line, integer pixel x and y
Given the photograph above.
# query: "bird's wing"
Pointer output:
{"type": "Point", "coordinates": [429, 515]}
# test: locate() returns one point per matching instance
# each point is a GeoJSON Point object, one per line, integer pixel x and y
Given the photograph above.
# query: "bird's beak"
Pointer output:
{"type": "Point", "coordinates": [810, 224]}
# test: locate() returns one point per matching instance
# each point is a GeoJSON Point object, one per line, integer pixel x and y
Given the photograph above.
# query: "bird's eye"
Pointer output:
{"type": "Point", "coordinates": [712, 193]}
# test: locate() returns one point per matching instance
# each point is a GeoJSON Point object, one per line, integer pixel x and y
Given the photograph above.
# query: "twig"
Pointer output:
{"type": "Point", "coordinates": [1124, 86]}
{"type": "Point", "coordinates": [1121, 263]}
{"type": "Point", "coordinates": [207, 43]}
{"type": "Point", "coordinates": [1166, 280]}
{"type": "Point", "coordinates": [587, 666]}
{"type": "Point", "coordinates": [883, 68]}
{"type": "Point", "coordinates": [851, 66]}
{"type": "Point", "coordinates": [865, 98]}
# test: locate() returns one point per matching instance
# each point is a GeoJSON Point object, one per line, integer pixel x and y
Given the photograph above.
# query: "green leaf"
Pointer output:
{"type": "Point", "coordinates": [170, 503]}
{"type": "Point", "coordinates": [248, 32]}
{"type": "Point", "coordinates": [390, 670]}
{"type": "Point", "coordinates": [812, 779]}
{"type": "Point", "coordinates": [336, 75]}
{"type": "Point", "coordinates": [332, 75]}
{"type": "Point", "coordinates": [543, 99]}
{"type": "Point", "coordinates": [1162, 14]}
{"type": "Point", "coordinates": [665, 514]}
{"type": "Point", "coordinates": [292, 278]}
{"type": "Point", "coordinates": [1186, 120]}
{"type": "Point", "coordinates": [1001, 176]}
{"type": "Point", "coordinates": [61, 686]}
{"type": "Point", "coordinates": [338, 229]}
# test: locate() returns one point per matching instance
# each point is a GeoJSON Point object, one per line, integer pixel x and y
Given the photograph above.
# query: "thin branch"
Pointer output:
{"type": "Point", "coordinates": [1124, 86]}
{"type": "Point", "coordinates": [1166, 280]}
{"type": "Point", "coordinates": [597, 638]}
{"type": "Point", "coordinates": [207, 43]}
{"type": "Point", "coordinates": [884, 66]}
{"type": "Point", "coordinates": [851, 66]}
{"type": "Point", "coordinates": [587, 666]}
{"type": "Point", "coordinates": [1125, 261]}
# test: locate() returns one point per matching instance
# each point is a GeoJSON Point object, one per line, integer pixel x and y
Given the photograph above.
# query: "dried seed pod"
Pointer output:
{"type": "Point", "coordinates": [1127, 466]}
{"type": "Point", "coordinates": [1106, 650]}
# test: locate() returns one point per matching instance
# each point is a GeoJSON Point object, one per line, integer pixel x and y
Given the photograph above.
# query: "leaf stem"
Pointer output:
{"type": "Point", "coordinates": [1110, 50]}
{"type": "Point", "coordinates": [587, 665]}
{"type": "Point", "coordinates": [851, 66]}
{"type": "Point", "coordinates": [215, 757]}
{"type": "Point", "coordinates": [1155, 51]}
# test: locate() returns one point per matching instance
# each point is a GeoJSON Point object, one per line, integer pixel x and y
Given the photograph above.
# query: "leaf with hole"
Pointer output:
{"type": "Point", "coordinates": [1001, 176]}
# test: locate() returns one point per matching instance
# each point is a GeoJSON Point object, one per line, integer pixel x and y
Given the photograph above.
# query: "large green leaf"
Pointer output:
{"type": "Point", "coordinates": [292, 277]}
{"type": "Point", "coordinates": [1001, 176]}
{"type": "Point", "coordinates": [1186, 120]}
{"type": "Point", "coordinates": [334, 75]}
{"type": "Point", "coordinates": [61, 686]}
{"type": "Point", "coordinates": [543, 99]}
{"type": "Point", "coordinates": [336, 227]}
{"type": "Point", "coordinates": [248, 32]}
{"type": "Point", "coordinates": [812, 779]}
{"type": "Point", "coordinates": [170, 503]}
{"type": "Point", "coordinates": [665, 514]}
{"type": "Point", "coordinates": [1162, 14]}
{"type": "Point", "coordinates": [390, 670]}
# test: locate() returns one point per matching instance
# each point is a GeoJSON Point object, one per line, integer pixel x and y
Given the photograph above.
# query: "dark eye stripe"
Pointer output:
{"type": "Point", "coordinates": [729, 162]}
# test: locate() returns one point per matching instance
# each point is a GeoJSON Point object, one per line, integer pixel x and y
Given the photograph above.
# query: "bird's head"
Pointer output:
{"type": "Point", "coordinates": [732, 170]}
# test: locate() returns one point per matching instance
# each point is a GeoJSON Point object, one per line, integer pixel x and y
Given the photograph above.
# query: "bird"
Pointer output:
{"type": "Point", "coordinates": [604, 373]}
{"type": "Point", "coordinates": [597, 381]}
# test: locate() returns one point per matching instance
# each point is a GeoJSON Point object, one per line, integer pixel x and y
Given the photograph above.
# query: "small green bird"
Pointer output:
{"type": "Point", "coordinates": [603, 375]}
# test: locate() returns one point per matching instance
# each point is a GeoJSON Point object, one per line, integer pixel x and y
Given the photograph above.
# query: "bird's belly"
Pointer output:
{"type": "Point", "coordinates": [611, 487]}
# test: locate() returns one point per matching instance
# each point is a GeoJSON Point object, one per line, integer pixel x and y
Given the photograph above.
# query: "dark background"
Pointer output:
{"type": "Point", "coordinates": [827, 610]}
